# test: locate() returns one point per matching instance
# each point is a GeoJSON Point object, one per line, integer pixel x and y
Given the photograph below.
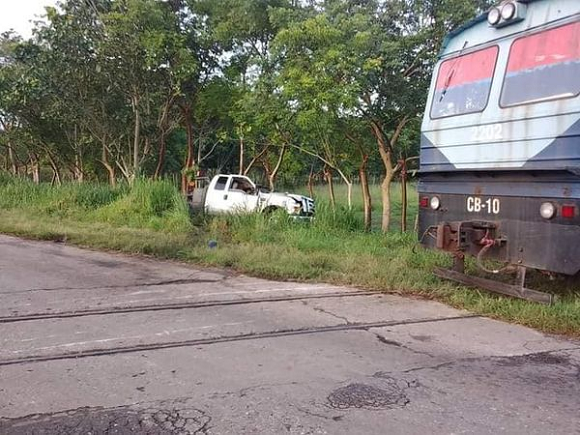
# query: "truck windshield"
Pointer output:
{"type": "Point", "coordinates": [544, 66]}
{"type": "Point", "coordinates": [464, 83]}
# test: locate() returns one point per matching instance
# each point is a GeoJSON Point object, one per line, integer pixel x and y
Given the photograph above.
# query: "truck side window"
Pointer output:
{"type": "Point", "coordinates": [241, 184]}
{"type": "Point", "coordinates": [221, 183]}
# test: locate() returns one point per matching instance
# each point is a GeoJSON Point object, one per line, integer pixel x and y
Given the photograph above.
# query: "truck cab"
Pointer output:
{"type": "Point", "coordinates": [238, 194]}
{"type": "Point", "coordinates": [231, 193]}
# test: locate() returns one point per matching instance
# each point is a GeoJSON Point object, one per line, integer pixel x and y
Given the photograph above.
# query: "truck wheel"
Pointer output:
{"type": "Point", "coordinates": [270, 210]}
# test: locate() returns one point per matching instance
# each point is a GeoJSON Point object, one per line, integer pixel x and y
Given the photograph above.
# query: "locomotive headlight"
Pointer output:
{"type": "Point", "coordinates": [547, 210]}
{"type": "Point", "coordinates": [494, 16]}
{"type": "Point", "coordinates": [508, 11]}
{"type": "Point", "coordinates": [435, 203]}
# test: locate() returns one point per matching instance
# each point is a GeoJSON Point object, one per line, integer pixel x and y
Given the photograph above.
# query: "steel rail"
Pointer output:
{"type": "Point", "coordinates": [175, 306]}
{"type": "Point", "coordinates": [224, 339]}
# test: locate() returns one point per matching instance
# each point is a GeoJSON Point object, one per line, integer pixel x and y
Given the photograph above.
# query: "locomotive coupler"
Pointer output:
{"type": "Point", "coordinates": [468, 236]}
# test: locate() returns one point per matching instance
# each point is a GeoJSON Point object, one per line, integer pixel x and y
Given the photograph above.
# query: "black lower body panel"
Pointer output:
{"type": "Point", "coordinates": [510, 228]}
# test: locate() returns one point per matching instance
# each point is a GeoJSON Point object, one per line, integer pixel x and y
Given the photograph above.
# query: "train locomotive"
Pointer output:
{"type": "Point", "coordinates": [500, 145]}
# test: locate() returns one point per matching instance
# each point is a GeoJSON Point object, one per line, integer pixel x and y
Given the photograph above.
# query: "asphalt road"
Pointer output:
{"type": "Point", "coordinates": [108, 344]}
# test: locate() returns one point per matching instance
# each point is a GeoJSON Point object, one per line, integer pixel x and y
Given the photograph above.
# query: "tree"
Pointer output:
{"type": "Point", "coordinates": [245, 30]}
{"type": "Point", "coordinates": [367, 63]}
{"type": "Point", "coordinates": [67, 69]}
{"type": "Point", "coordinates": [131, 62]}
{"type": "Point", "coordinates": [283, 87]}
{"type": "Point", "coordinates": [9, 72]}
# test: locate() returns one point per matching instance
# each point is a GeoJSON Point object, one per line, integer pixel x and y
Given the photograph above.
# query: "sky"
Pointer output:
{"type": "Point", "coordinates": [16, 14]}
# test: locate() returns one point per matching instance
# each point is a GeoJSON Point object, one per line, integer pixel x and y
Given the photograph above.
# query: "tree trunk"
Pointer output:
{"type": "Point", "coordinates": [271, 183]}
{"type": "Point", "coordinates": [328, 176]}
{"type": "Point", "coordinates": [403, 197]}
{"type": "Point", "coordinates": [256, 158]}
{"type": "Point", "coordinates": [136, 137]}
{"type": "Point", "coordinates": [274, 173]}
{"type": "Point", "coordinates": [311, 184]}
{"type": "Point", "coordinates": [241, 168]}
{"type": "Point", "coordinates": [55, 169]}
{"type": "Point", "coordinates": [349, 194]}
{"type": "Point", "coordinates": [386, 199]}
{"type": "Point", "coordinates": [189, 161]}
{"type": "Point", "coordinates": [267, 170]}
{"type": "Point", "coordinates": [161, 155]}
{"type": "Point", "coordinates": [162, 124]}
{"type": "Point", "coordinates": [35, 168]}
{"type": "Point", "coordinates": [110, 168]}
{"type": "Point", "coordinates": [12, 160]}
{"type": "Point", "coordinates": [78, 171]}
{"type": "Point", "coordinates": [385, 151]}
{"type": "Point", "coordinates": [367, 201]}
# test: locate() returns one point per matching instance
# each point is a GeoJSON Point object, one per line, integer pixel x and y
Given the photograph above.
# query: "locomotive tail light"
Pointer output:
{"type": "Point", "coordinates": [424, 202]}
{"type": "Point", "coordinates": [494, 16]}
{"type": "Point", "coordinates": [435, 203]}
{"type": "Point", "coordinates": [508, 11]}
{"type": "Point", "coordinates": [568, 211]}
{"type": "Point", "coordinates": [547, 210]}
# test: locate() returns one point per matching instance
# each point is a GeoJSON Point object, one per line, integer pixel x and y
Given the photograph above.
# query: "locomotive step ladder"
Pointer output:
{"type": "Point", "coordinates": [517, 290]}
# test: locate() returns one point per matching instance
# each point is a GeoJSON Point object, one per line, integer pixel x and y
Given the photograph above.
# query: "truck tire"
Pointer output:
{"type": "Point", "coordinates": [270, 209]}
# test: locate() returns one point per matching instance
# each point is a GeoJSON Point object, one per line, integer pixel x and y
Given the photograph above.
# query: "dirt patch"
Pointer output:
{"type": "Point", "coordinates": [544, 358]}
{"type": "Point", "coordinates": [358, 395]}
{"type": "Point", "coordinates": [118, 421]}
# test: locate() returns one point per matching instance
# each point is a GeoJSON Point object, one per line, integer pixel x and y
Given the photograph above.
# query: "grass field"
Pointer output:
{"type": "Point", "coordinates": [152, 219]}
{"type": "Point", "coordinates": [321, 193]}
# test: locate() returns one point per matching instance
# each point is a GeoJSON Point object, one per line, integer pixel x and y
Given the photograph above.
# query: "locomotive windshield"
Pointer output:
{"type": "Point", "coordinates": [543, 66]}
{"type": "Point", "coordinates": [464, 83]}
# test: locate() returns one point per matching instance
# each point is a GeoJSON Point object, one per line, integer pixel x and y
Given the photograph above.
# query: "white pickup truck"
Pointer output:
{"type": "Point", "coordinates": [239, 194]}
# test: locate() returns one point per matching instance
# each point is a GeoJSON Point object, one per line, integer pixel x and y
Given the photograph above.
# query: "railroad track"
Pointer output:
{"type": "Point", "coordinates": [175, 306]}
{"type": "Point", "coordinates": [223, 339]}
{"type": "Point", "coordinates": [181, 281]}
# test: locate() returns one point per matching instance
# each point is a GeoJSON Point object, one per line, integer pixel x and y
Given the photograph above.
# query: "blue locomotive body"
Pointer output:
{"type": "Point", "coordinates": [500, 143]}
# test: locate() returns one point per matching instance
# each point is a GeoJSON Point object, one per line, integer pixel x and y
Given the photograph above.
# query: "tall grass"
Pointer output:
{"type": "Point", "coordinates": [21, 193]}
{"type": "Point", "coordinates": [152, 218]}
{"type": "Point", "coordinates": [333, 248]}
{"type": "Point", "coordinates": [147, 204]}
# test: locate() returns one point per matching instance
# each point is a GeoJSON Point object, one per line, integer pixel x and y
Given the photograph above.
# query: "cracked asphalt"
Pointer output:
{"type": "Point", "coordinates": [95, 343]}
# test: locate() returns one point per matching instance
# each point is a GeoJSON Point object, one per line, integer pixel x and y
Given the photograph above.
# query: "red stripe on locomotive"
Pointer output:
{"type": "Point", "coordinates": [551, 47]}
{"type": "Point", "coordinates": [469, 68]}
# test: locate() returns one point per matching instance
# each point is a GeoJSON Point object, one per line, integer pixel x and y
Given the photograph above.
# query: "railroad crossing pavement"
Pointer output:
{"type": "Point", "coordinates": [109, 344]}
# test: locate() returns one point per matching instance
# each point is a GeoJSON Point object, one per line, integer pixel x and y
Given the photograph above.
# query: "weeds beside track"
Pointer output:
{"type": "Point", "coordinates": [151, 218]}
